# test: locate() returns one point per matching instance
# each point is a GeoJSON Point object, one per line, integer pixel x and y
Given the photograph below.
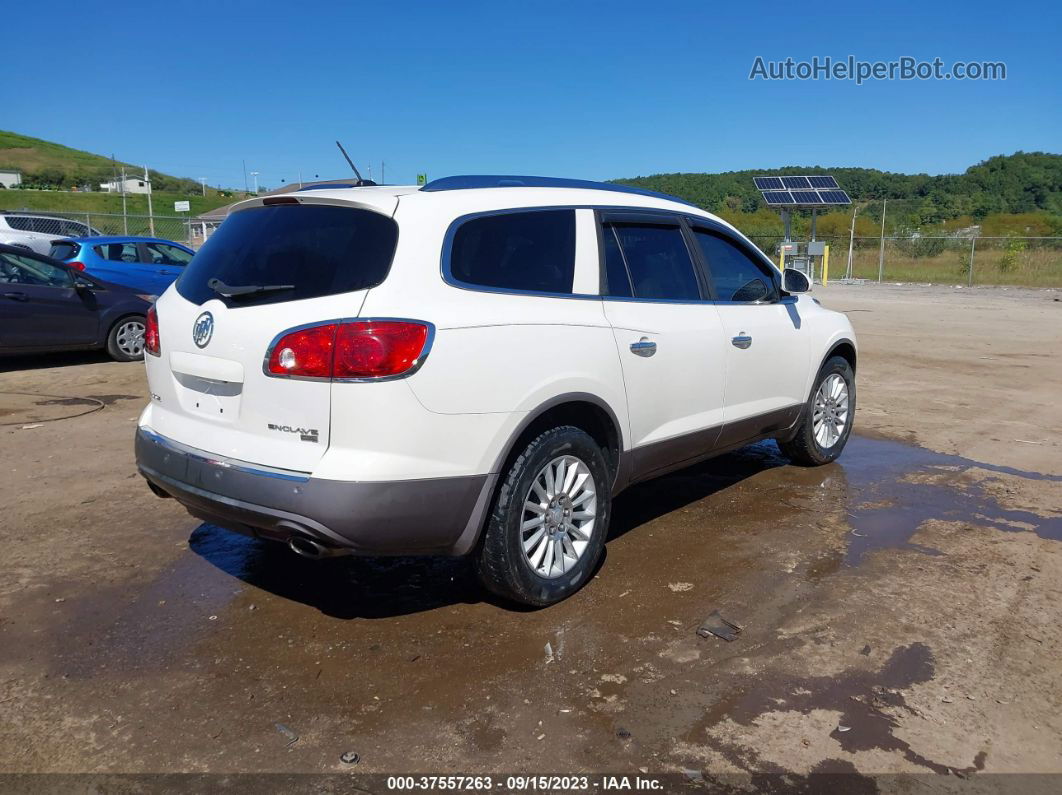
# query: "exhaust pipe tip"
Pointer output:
{"type": "Point", "coordinates": [310, 548]}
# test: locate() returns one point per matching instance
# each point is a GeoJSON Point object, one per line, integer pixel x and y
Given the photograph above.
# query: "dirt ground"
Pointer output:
{"type": "Point", "coordinates": [900, 608]}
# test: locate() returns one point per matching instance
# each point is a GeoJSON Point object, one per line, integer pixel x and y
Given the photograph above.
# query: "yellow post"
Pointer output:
{"type": "Point", "coordinates": [825, 263]}
{"type": "Point", "coordinates": [781, 257]}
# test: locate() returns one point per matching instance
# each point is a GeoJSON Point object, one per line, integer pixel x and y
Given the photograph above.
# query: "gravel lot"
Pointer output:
{"type": "Point", "coordinates": [900, 608]}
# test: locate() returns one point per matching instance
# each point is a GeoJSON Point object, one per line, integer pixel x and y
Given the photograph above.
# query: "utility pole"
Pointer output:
{"type": "Point", "coordinates": [246, 187]}
{"type": "Point", "coordinates": [849, 271]}
{"type": "Point", "coordinates": [255, 175]}
{"type": "Point", "coordinates": [202, 181]}
{"type": "Point", "coordinates": [881, 251]}
{"type": "Point", "coordinates": [382, 180]}
{"type": "Point", "coordinates": [125, 217]}
{"type": "Point", "coordinates": [151, 216]}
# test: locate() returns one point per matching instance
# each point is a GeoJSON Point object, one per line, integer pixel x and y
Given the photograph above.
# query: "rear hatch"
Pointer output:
{"type": "Point", "coordinates": [311, 261]}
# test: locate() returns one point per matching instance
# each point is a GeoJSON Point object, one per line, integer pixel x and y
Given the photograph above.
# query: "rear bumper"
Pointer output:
{"type": "Point", "coordinates": [440, 516]}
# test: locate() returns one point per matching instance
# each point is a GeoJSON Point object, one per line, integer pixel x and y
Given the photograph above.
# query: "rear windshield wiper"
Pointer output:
{"type": "Point", "coordinates": [240, 290]}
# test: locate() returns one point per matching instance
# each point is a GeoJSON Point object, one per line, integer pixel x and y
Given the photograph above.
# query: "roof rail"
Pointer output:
{"type": "Point", "coordinates": [468, 181]}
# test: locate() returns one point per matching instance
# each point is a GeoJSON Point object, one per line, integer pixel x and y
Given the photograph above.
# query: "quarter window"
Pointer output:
{"type": "Point", "coordinates": [657, 262]}
{"type": "Point", "coordinates": [734, 275]}
{"type": "Point", "coordinates": [526, 251]}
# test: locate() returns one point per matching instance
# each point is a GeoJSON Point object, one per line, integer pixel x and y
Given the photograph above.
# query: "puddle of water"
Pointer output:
{"type": "Point", "coordinates": [894, 487]}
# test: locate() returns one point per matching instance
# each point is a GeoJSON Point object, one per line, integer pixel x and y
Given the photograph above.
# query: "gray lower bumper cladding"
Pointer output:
{"type": "Point", "coordinates": [440, 516]}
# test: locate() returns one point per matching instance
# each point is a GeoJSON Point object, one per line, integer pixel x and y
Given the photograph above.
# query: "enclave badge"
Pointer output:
{"type": "Point", "coordinates": [203, 329]}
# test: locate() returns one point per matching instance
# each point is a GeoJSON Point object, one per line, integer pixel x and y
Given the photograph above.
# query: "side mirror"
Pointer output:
{"type": "Point", "coordinates": [793, 281]}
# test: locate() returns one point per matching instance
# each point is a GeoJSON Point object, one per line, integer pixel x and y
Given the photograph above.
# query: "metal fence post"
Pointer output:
{"type": "Point", "coordinates": [88, 225]}
{"type": "Point", "coordinates": [973, 246]}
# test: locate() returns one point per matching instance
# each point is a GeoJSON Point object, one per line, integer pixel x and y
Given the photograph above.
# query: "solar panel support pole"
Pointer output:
{"type": "Point", "coordinates": [813, 214]}
{"type": "Point", "coordinates": [785, 220]}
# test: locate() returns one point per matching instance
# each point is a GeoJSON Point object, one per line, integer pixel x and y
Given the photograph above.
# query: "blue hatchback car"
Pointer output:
{"type": "Point", "coordinates": [148, 264]}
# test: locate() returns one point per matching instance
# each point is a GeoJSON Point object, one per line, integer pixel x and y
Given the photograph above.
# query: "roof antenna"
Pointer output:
{"type": "Point", "coordinates": [361, 183]}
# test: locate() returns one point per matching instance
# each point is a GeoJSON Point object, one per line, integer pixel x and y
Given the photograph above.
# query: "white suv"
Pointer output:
{"type": "Point", "coordinates": [38, 232]}
{"type": "Point", "coordinates": [475, 367]}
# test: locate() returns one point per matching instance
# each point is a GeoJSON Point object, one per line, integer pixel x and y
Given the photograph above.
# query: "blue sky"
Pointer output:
{"type": "Point", "coordinates": [581, 89]}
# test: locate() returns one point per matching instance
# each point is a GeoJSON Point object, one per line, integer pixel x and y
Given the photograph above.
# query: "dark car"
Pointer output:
{"type": "Point", "coordinates": [48, 306]}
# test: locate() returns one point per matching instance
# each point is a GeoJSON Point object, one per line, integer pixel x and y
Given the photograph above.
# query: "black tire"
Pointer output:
{"type": "Point", "coordinates": [115, 342]}
{"type": "Point", "coordinates": [502, 566]}
{"type": "Point", "coordinates": [803, 448]}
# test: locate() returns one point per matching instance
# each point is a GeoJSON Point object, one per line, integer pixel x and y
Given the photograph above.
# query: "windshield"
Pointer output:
{"type": "Point", "coordinates": [317, 249]}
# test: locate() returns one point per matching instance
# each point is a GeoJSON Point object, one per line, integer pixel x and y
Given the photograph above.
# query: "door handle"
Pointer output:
{"type": "Point", "coordinates": [742, 341]}
{"type": "Point", "coordinates": [16, 296]}
{"type": "Point", "coordinates": [643, 347]}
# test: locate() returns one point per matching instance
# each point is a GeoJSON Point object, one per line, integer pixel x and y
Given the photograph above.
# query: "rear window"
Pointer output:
{"type": "Point", "coordinates": [526, 251]}
{"type": "Point", "coordinates": [317, 249]}
{"type": "Point", "coordinates": [64, 251]}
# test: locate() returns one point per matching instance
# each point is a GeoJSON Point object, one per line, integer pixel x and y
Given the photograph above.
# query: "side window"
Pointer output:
{"type": "Point", "coordinates": [21, 223]}
{"type": "Point", "coordinates": [163, 254]}
{"type": "Point", "coordinates": [118, 252]}
{"type": "Point", "coordinates": [73, 229]}
{"type": "Point", "coordinates": [16, 269]}
{"type": "Point", "coordinates": [735, 276]}
{"type": "Point", "coordinates": [48, 226]}
{"type": "Point", "coordinates": [529, 251]}
{"type": "Point", "coordinates": [657, 260]}
{"type": "Point", "coordinates": [617, 280]}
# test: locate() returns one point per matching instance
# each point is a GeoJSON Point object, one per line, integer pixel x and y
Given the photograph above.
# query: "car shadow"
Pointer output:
{"type": "Point", "coordinates": [363, 587]}
{"type": "Point", "coordinates": [39, 361]}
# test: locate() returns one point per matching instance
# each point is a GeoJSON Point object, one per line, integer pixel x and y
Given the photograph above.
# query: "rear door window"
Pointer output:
{"type": "Point", "coordinates": [522, 251]}
{"type": "Point", "coordinates": [118, 252]}
{"type": "Point", "coordinates": [657, 262]}
{"type": "Point", "coordinates": [19, 269]}
{"type": "Point", "coordinates": [309, 250]}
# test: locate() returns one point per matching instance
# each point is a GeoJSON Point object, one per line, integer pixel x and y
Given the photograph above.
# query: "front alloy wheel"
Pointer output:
{"type": "Point", "coordinates": [826, 419]}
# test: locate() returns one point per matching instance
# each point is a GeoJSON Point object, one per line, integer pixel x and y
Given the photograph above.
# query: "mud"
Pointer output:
{"type": "Point", "coordinates": [900, 608]}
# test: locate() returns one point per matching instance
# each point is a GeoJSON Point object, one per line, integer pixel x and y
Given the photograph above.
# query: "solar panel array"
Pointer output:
{"type": "Point", "coordinates": [800, 191]}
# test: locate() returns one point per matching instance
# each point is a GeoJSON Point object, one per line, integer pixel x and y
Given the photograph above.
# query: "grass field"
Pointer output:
{"type": "Point", "coordinates": [69, 202]}
{"type": "Point", "coordinates": [1038, 265]}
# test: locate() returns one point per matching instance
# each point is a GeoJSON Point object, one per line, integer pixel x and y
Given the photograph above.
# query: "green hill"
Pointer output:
{"type": "Point", "coordinates": [53, 166]}
{"type": "Point", "coordinates": [1025, 183]}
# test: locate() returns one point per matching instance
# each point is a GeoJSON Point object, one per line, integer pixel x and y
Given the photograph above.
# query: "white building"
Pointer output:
{"type": "Point", "coordinates": [132, 185]}
{"type": "Point", "coordinates": [9, 178]}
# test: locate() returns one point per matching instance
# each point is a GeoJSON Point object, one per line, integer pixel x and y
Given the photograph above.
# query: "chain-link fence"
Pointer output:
{"type": "Point", "coordinates": [1017, 261]}
{"type": "Point", "coordinates": [188, 230]}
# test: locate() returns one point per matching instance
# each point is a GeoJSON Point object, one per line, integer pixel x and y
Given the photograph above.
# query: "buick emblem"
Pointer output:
{"type": "Point", "coordinates": [203, 329]}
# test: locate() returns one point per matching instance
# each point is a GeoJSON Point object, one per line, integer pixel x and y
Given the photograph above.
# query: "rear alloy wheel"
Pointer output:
{"type": "Point", "coordinates": [547, 528]}
{"type": "Point", "coordinates": [826, 420]}
{"type": "Point", "coordinates": [125, 343]}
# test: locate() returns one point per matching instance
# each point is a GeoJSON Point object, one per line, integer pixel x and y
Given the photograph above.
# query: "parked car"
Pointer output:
{"type": "Point", "coordinates": [485, 381]}
{"type": "Point", "coordinates": [36, 232]}
{"type": "Point", "coordinates": [146, 263]}
{"type": "Point", "coordinates": [48, 306]}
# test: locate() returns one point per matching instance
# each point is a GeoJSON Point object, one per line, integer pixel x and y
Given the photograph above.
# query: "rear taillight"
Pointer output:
{"type": "Point", "coordinates": [151, 333]}
{"type": "Point", "coordinates": [80, 266]}
{"type": "Point", "coordinates": [369, 349]}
